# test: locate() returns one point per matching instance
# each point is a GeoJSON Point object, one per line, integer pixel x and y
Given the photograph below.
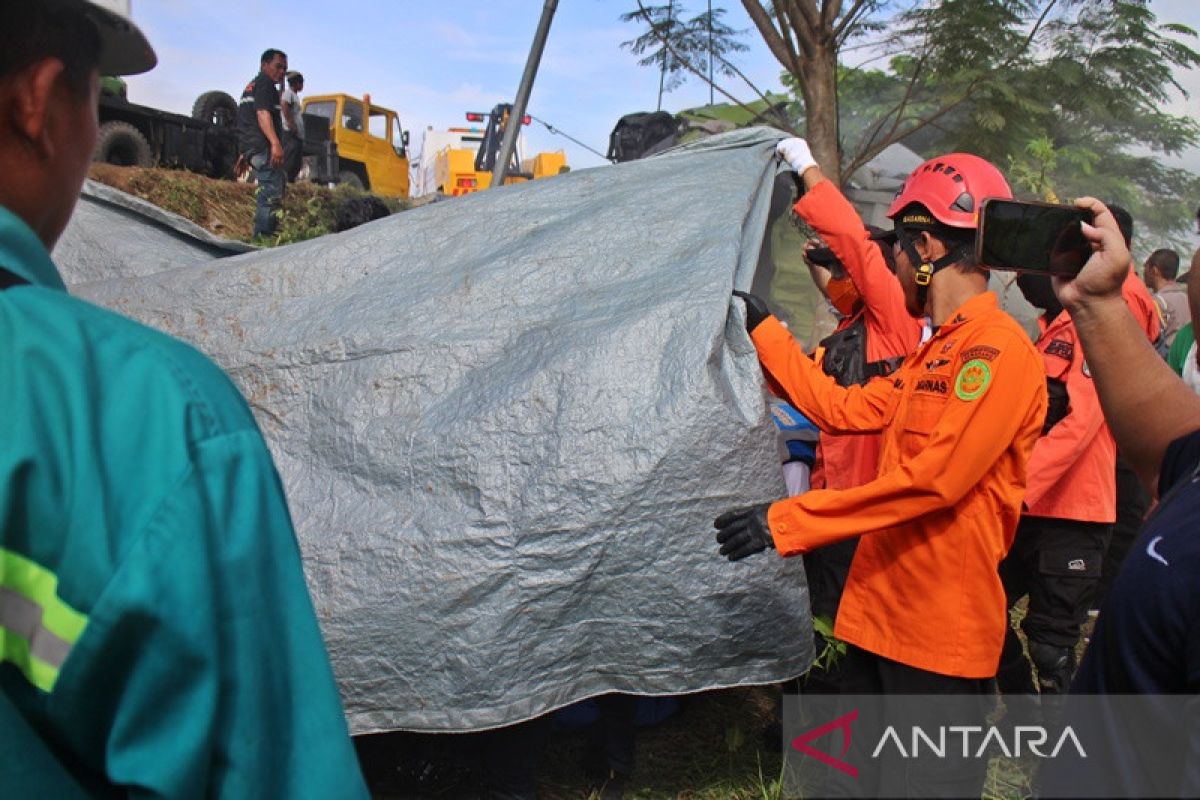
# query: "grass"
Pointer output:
{"type": "Point", "coordinates": [226, 208]}
{"type": "Point", "coordinates": [716, 748]}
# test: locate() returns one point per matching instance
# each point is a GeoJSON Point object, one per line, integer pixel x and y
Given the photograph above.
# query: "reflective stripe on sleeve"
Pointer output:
{"type": "Point", "coordinates": [37, 629]}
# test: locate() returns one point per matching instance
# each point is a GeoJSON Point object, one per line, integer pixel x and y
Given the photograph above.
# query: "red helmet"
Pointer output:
{"type": "Point", "coordinates": [952, 187]}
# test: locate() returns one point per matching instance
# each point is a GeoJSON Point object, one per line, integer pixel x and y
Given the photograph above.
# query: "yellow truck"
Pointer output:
{"type": "Point", "coordinates": [372, 147]}
{"type": "Point", "coordinates": [461, 160]}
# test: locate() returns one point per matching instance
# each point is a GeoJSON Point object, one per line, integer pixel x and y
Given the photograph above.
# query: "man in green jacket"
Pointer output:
{"type": "Point", "coordinates": [156, 634]}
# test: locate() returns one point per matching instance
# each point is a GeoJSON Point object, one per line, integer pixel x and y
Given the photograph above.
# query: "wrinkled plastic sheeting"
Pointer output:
{"type": "Point", "coordinates": [505, 424]}
{"type": "Point", "coordinates": [113, 235]}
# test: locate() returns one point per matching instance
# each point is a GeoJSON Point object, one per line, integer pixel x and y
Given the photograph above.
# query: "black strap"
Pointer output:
{"type": "Point", "coordinates": [10, 279]}
{"type": "Point", "coordinates": [883, 367]}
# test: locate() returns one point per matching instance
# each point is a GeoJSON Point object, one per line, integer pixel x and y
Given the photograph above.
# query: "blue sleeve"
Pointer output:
{"type": "Point", "coordinates": [202, 663]}
{"type": "Point", "coordinates": [1179, 462]}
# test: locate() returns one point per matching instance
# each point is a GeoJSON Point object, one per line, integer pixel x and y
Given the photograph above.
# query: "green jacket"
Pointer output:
{"type": "Point", "coordinates": [156, 633]}
{"type": "Point", "coordinates": [1180, 347]}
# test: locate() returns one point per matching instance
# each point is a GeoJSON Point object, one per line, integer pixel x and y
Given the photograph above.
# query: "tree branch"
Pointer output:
{"type": "Point", "coordinates": [775, 43]}
{"type": "Point", "coordinates": [695, 71]}
{"type": "Point", "coordinates": [781, 117]}
{"type": "Point", "coordinates": [848, 21]}
{"type": "Point", "coordinates": [808, 10]}
{"type": "Point", "coordinates": [896, 110]}
{"type": "Point", "coordinates": [791, 38]}
{"type": "Point", "coordinates": [871, 148]}
{"type": "Point", "coordinates": [829, 12]}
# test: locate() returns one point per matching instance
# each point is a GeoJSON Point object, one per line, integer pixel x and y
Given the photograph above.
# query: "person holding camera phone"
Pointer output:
{"type": "Point", "coordinates": [1070, 506]}
{"type": "Point", "coordinates": [874, 334]}
{"type": "Point", "coordinates": [1144, 642]}
{"type": "Point", "coordinates": [923, 609]}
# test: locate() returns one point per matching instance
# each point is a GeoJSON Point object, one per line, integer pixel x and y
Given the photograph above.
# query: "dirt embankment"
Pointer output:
{"type": "Point", "coordinates": [226, 208]}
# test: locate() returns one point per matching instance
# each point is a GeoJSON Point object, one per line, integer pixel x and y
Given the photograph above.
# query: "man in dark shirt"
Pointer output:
{"type": "Point", "coordinates": [1145, 642]}
{"type": "Point", "coordinates": [259, 137]}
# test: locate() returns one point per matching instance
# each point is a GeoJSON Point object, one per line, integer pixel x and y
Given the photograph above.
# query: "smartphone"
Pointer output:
{"type": "Point", "coordinates": [821, 256]}
{"type": "Point", "coordinates": [1032, 237]}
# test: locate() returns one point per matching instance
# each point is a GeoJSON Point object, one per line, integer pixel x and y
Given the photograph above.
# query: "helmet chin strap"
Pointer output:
{"type": "Point", "coordinates": [925, 269]}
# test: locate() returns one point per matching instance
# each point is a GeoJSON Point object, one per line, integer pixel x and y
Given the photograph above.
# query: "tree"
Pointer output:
{"type": "Point", "coordinates": [697, 47]}
{"type": "Point", "coordinates": [673, 44]}
{"type": "Point", "coordinates": [1079, 114]}
{"type": "Point", "coordinates": [1055, 91]}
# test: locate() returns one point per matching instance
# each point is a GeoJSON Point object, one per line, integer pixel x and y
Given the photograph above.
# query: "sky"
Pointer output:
{"type": "Point", "coordinates": [432, 62]}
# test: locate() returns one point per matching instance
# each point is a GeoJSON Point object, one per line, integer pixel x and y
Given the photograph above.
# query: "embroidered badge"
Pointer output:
{"type": "Point", "coordinates": [1060, 348]}
{"type": "Point", "coordinates": [973, 380]}
{"type": "Point", "coordinates": [984, 351]}
{"type": "Point", "coordinates": [936, 364]}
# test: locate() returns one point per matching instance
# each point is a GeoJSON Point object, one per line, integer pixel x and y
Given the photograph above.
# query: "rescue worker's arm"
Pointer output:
{"type": "Point", "coordinates": [833, 408]}
{"type": "Point", "coordinates": [1062, 446]}
{"type": "Point", "coordinates": [948, 445]}
{"type": "Point", "coordinates": [830, 214]}
{"type": "Point", "coordinates": [1133, 383]}
{"type": "Point", "coordinates": [202, 664]}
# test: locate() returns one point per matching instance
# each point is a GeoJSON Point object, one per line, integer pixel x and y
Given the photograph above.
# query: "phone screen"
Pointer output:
{"type": "Point", "coordinates": [1032, 237]}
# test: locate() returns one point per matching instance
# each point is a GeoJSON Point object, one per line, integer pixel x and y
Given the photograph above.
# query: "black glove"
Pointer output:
{"type": "Point", "coordinates": [756, 309]}
{"type": "Point", "coordinates": [744, 532]}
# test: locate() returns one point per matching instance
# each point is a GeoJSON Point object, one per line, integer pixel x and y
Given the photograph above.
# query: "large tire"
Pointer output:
{"type": "Point", "coordinates": [122, 144]}
{"type": "Point", "coordinates": [217, 108]}
{"type": "Point", "coordinates": [350, 179]}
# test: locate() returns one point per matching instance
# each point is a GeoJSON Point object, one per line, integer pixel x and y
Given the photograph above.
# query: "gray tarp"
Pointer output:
{"type": "Point", "coordinates": [505, 424]}
{"type": "Point", "coordinates": [113, 235]}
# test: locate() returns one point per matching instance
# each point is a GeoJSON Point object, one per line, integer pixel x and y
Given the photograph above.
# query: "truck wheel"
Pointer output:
{"type": "Point", "coordinates": [216, 108]}
{"type": "Point", "coordinates": [122, 144]}
{"type": "Point", "coordinates": [350, 179]}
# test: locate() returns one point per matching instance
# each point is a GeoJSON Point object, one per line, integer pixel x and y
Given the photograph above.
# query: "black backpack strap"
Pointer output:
{"type": "Point", "coordinates": [10, 279]}
{"type": "Point", "coordinates": [883, 367]}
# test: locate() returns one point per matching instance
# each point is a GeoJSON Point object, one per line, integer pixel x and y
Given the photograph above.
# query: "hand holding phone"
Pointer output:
{"type": "Point", "coordinates": [1032, 237]}
{"type": "Point", "coordinates": [1103, 277]}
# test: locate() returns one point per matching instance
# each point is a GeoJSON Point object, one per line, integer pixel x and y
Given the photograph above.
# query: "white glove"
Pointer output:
{"type": "Point", "coordinates": [795, 152]}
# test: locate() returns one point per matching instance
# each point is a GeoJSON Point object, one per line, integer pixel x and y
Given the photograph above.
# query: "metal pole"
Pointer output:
{"type": "Point", "coordinates": [710, 55]}
{"type": "Point", "coordinates": [666, 54]}
{"type": "Point", "coordinates": [518, 113]}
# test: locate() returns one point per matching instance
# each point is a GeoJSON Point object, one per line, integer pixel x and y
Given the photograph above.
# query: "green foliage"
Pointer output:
{"type": "Point", "coordinates": [689, 41]}
{"type": "Point", "coordinates": [302, 218]}
{"type": "Point", "coordinates": [1077, 111]}
{"type": "Point", "coordinates": [833, 649]}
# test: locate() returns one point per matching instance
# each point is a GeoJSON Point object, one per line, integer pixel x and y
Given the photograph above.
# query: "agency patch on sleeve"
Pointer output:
{"type": "Point", "coordinates": [982, 351]}
{"type": "Point", "coordinates": [973, 380]}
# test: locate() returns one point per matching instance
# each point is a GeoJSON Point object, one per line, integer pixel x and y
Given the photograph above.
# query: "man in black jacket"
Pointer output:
{"type": "Point", "coordinates": [260, 130]}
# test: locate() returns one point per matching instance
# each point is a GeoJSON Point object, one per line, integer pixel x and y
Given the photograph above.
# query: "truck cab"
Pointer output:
{"type": "Point", "coordinates": [372, 147]}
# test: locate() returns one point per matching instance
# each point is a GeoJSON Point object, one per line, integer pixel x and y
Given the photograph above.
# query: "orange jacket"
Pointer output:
{"type": "Point", "coordinates": [891, 330]}
{"type": "Point", "coordinates": [845, 461]}
{"type": "Point", "coordinates": [1144, 309]}
{"type": "Point", "coordinates": [1072, 472]}
{"type": "Point", "coordinates": [959, 420]}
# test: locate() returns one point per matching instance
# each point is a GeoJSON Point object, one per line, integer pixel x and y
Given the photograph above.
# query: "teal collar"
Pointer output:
{"type": "Point", "coordinates": [23, 253]}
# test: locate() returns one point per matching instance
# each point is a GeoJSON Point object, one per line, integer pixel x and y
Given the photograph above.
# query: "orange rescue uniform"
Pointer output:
{"type": "Point", "coordinates": [1071, 471]}
{"type": "Point", "coordinates": [959, 420]}
{"type": "Point", "coordinates": [846, 461]}
{"type": "Point", "coordinates": [1144, 309]}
